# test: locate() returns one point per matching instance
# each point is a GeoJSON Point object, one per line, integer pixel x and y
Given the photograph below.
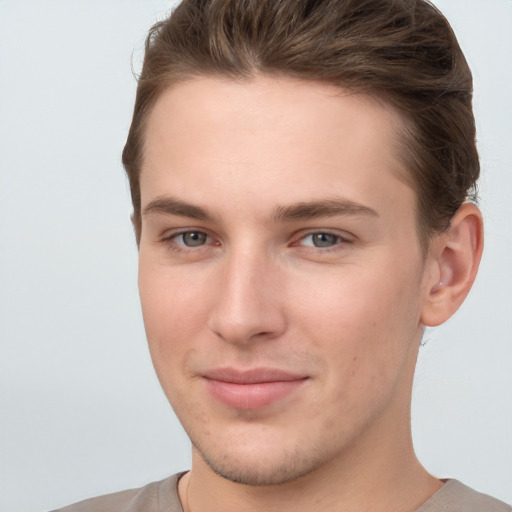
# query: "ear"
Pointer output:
{"type": "Point", "coordinates": [454, 257]}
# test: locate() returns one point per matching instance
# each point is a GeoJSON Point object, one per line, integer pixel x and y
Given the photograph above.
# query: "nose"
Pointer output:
{"type": "Point", "coordinates": [249, 303]}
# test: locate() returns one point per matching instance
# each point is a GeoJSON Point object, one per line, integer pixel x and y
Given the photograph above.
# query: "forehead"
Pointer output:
{"type": "Point", "coordinates": [222, 141]}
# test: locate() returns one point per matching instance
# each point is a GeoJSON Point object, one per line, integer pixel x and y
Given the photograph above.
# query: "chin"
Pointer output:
{"type": "Point", "coordinates": [262, 469]}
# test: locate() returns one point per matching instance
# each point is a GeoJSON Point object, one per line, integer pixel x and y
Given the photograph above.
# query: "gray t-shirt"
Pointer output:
{"type": "Point", "coordinates": [163, 497]}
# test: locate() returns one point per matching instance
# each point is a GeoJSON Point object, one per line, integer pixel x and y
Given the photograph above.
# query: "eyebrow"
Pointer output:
{"type": "Point", "coordinates": [322, 208]}
{"type": "Point", "coordinates": [172, 206]}
{"type": "Point", "coordinates": [306, 210]}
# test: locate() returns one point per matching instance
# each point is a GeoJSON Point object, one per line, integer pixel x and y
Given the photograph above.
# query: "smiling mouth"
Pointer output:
{"type": "Point", "coordinates": [251, 389]}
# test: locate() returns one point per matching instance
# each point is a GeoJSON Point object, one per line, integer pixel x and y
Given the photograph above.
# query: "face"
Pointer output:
{"type": "Point", "coordinates": [281, 276]}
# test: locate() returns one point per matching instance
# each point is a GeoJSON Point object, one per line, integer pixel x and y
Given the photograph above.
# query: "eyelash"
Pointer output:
{"type": "Point", "coordinates": [170, 241]}
{"type": "Point", "coordinates": [340, 240]}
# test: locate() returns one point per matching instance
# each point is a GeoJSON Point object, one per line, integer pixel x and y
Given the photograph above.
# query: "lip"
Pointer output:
{"type": "Point", "coordinates": [251, 389]}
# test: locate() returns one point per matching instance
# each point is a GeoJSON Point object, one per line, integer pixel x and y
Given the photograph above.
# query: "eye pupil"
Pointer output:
{"type": "Point", "coordinates": [194, 238]}
{"type": "Point", "coordinates": [324, 240]}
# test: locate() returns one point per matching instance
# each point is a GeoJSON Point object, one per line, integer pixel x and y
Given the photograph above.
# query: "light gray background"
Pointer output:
{"type": "Point", "coordinates": [81, 411]}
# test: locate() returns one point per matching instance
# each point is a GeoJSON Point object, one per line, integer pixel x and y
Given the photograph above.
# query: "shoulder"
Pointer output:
{"type": "Point", "coordinates": [154, 497]}
{"type": "Point", "coordinates": [454, 496]}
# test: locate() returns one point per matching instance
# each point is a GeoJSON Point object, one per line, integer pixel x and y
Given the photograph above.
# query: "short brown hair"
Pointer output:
{"type": "Point", "coordinates": [401, 51]}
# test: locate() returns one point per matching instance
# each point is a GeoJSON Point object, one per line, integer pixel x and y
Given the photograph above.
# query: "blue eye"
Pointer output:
{"type": "Point", "coordinates": [192, 238]}
{"type": "Point", "coordinates": [321, 240]}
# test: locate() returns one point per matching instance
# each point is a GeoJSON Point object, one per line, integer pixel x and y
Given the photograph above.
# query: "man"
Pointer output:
{"type": "Point", "coordinates": [300, 175]}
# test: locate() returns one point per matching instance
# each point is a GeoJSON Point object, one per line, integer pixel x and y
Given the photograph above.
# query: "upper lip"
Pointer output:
{"type": "Point", "coordinates": [251, 376]}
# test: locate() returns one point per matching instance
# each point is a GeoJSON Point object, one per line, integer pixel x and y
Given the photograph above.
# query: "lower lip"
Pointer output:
{"type": "Point", "coordinates": [251, 396]}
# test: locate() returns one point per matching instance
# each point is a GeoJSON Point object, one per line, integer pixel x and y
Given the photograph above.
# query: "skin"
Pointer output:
{"type": "Point", "coordinates": [231, 275]}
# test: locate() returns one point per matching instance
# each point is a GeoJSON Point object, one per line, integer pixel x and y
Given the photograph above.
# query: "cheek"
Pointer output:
{"type": "Point", "coordinates": [364, 321]}
{"type": "Point", "coordinates": [174, 308]}
{"type": "Point", "coordinates": [173, 318]}
{"type": "Point", "coordinates": [363, 329]}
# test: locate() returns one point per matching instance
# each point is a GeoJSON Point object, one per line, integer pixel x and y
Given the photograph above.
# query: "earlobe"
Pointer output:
{"type": "Point", "coordinates": [455, 255]}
